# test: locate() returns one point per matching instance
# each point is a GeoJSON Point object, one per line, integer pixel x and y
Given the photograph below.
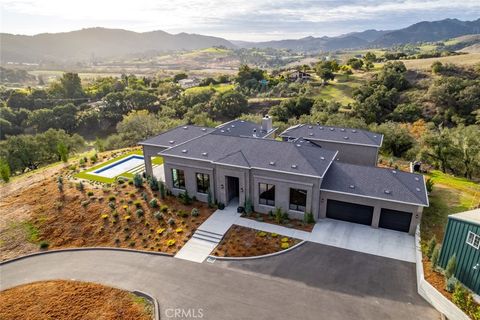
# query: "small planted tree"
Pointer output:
{"type": "Point", "coordinates": [435, 255]}
{"type": "Point", "coordinates": [278, 215]}
{"type": "Point", "coordinates": [60, 184]}
{"type": "Point", "coordinates": [161, 188]}
{"type": "Point", "coordinates": [431, 246]}
{"type": "Point", "coordinates": [185, 198]}
{"type": "Point", "coordinates": [62, 150]}
{"type": "Point", "coordinates": [154, 203]}
{"type": "Point", "coordinates": [4, 170]}
{"type": "Point", "coordinates": [138, 180]}
{"type": "Point", "coordinates": [209, 200]}
{"type": "Point", "coordinates": [153, 183]}
{"type": "Point", "coordinates": [248, 207]}
{"type": "Point", "coordinates": [80, 186]}
{"type": "Point", "coordinates": [429, 184]}
{"type": "Point", "coordinates": [451, 265]}
{"type": "Point", "coordinates": [308, 218]}
{"type": "Point", "coordinates": [451, 283]}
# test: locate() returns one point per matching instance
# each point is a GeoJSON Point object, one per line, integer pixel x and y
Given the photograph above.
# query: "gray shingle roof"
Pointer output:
{"type": "Point", "coordinates": [374, 182]}
{"type": "Point", "coordinates": [258, 153]}
{"type": "Point", "coordinates": [335, 134]}
{"type": "Point", "coordinates": [241, 128]}
{"type": "Point", "coordinates": [177, 136]}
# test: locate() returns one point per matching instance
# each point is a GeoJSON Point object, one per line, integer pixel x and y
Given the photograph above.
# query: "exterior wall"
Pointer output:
{"type": "Point", "coordinates": [467, 256]}
{"type": "Point", "coordinates": [376, 204]}
{"type": "Point", "coordinates": [351, 153]}
{"type": "Point", "coordinates": [283, 182]}
{"type": "Point", "coordinates": [190, 168]}
{"type": "Point", "coordinates": [148, 153]}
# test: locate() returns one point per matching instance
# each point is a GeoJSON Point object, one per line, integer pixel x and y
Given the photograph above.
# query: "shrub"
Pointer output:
{"type": "Point", "coordinates": [450, 285]}
{"type": "Point", "coordinates": [127, 218]}
{"type": "Point", "coordinates": [137, 180]}
{"type": "Point", "coordinates": [115, 214]}
{"type": "Point", "coordinates": [171, 221]}
{"type": "Point", "coordinates": [262, 234]}
{"type": "Point", "coordinates": [5, 170]}
{"type": "Point", "coordinates": [44, 245]}
{"type": "Point", "coordinates": [153, 183]}
{"type": "Point", "coordinates": [111, 198]}
{"type": "Point", "coordinates": [94, 158]}
{"type": "Point", "coordinates": [458, 296]}
{"type": "Point", "coordinates": [182, 213]}
{"type": "Point", "coordinates": [132, 243]}
{"type": "Point", "coordinates": [284, 239]}
{"type": "Point", "coordinates": [139, 213]}
{"type": "Point", "coordinates": [111, 204]}
{"type": "Point", "coordinates": [60, 186]}
{"type": "Point", "coordinates": [179, 230]}
{"type": "Point", "coordinates": [144, 196]}
{"type": "Point", "coordinates": [85, 203]}
{"type": "Point", "coordinates": [185, 198]}
{"type": "Point", "coordinates": [170, 242]}
{"type": "Point", "coordinates": [158, 215]}
{"type": "Point", "coordinates": [429, 184]}
{"type": "Point", "coordinates": [308, 217]}
{"type": "Point", "coordinates": [154, 203]}
{"type": "Point", "coordinates": [90, 193]}
{"type": "Point", "coordinates": [431, 246]}
{"type": "Point", "coordinates": [137, 204]}
{"type": "Point", "coordinates": [120, 181]}
{"type": "Point", "coordinates": [285, 216]}
{"type": "Point", "coordinates": [278, 215]}
{"type": "Point", "coordinates": [164, 208]}
{"type": "Point", "coordinates": [435, 255]}
{"type": "Point", "coordinates": [104, 216]}
{"type": "Point", "coordinates": [80, 186]}
{"type": "Point", "coordinates": [451, 265]}
{"type": "Point", "coordinates": [248, 207]}
{"type": "Point", "coordinates": [284, 245]}
{"type": "Point", "coordinates": [209, 200]}
{"type": "Point", "coordinates": [161, 187]}
{"type": "Point", "coordinates": [195, 212]}
{"type": "Point", "coordinates": [160, 231]}
{"type": "Point", "coordinates": [221, 206]}
{"type": "Point", "coordinates": [274, 235]}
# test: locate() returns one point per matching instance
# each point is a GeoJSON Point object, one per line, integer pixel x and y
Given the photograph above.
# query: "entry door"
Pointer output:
{"type": "Point", "coordinates": [351, 212]}
{"type": "Point", "coordinates": [232, 188]}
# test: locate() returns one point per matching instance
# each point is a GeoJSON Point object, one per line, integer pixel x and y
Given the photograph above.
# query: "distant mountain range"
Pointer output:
{"type": "Point", "coordinates": [100, 43]}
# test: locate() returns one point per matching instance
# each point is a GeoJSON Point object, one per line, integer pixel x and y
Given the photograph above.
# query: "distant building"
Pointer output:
{"type": "Point", "coordinates": [462, 239]}
{"type": "Point", "coordinates": [298, 76]}
{"type": "Point", "coordinates": [189, 83]}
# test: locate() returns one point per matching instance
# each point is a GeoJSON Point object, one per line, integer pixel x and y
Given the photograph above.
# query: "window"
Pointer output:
{"type": "Point", "coordinates": [267, 194]}
{"type": "Point", "coordinates": [473, 239]}
{"type": "Point", "coordinates": [178, 177]}
{"type": "Point", "coordinates": [203, 182]}
{"type": "Point", "coordinates": [298, 199]}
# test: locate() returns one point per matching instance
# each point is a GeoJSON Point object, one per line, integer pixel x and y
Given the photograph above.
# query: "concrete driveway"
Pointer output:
{"type": "Point", "coordinates": [311, 282]}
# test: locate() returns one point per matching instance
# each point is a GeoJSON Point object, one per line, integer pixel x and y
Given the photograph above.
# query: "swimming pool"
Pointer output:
{"type": "Point", "coordinates": [118, 167]}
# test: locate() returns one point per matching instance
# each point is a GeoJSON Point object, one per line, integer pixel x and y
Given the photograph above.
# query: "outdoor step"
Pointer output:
{"type": "Point", "coordinates": [205, 238]}
{"type": "Point", "coordinates": [209, 234]}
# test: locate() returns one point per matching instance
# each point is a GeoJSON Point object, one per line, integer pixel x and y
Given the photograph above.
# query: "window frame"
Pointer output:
{"type": "Point", "coordinates": [204, 181]}
{"type": "Point", "coordinates": [176, 179]}
{"type": "Point", "coordinates": [294, 206]}
{"type": "Point", "coordinates": [473, 240]}
{"type": "Point", "coordinates": [264, 201]}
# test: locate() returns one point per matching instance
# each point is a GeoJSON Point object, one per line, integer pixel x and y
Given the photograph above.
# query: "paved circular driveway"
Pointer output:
{"type": "Point", "coordinates": [311, 282]}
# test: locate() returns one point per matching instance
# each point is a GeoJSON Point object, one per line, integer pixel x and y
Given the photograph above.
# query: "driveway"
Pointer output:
{"type": "Point", "coordinates": [311, 282]}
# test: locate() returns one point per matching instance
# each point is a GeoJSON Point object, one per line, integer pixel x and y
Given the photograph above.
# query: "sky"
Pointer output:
{"type": "Point", "coordinates": [251, 20]}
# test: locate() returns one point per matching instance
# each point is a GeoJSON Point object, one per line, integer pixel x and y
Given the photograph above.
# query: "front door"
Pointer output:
{"type": "Point", "coordinates": [232, 188]}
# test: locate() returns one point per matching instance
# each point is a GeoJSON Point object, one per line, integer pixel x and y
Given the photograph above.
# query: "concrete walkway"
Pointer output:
{"type": "Point", "coordinates": [340, 234]}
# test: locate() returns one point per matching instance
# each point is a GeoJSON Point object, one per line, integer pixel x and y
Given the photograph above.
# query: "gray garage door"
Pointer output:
{"type": "Point", "coordinates": [395, 220]}
{"type": "Point", "coordinates": [351, 212]}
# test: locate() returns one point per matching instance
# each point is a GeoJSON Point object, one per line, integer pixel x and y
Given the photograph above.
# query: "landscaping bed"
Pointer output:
{"type": "Point", "coordinates": [289, 223]}
{"type": "Point", "coordinates": [246, 242]}
{"type": "Point", "coordinates": [97, 215]}
{"type": "Point", "coordinates": [62, 299]}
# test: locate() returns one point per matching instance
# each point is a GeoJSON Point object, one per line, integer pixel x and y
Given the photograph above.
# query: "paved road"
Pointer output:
{"type": "Point", "coordinates": [311, 282]}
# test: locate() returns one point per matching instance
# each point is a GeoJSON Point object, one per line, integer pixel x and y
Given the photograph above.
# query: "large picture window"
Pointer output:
{"type": "Point", "coordinates": [178, 177]}
{"type": "Point", "coordinates": [473, 239]}
{"type": "Point", "coordinates": [203, 182]}
{"type": "Point", "coordinates": [298, 199]}
{"type": "Point", "coordinates": [267, 194]}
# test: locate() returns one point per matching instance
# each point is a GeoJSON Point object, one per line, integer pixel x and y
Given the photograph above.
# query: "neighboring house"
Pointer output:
{"type": "Point", "coordinates": [298, 76]}
{"type": "Point", "coordinates": [238, 161]}
{"type": "Point", "coordinates": [188, 83]}
{"type": "Point", "coordinates": [353, 145]}
{"type": "Point", "coordinates": [462, 239]}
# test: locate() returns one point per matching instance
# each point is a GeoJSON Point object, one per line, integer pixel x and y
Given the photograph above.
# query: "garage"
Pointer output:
{"type": "Point", "coordinates": [395, 220]}
{"type": "Point", "coordinates": [351, 212]}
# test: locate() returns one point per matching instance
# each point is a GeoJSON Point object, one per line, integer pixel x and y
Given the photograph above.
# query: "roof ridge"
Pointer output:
{"type": "Point", "coordinates": [231, 154]}
{"type": "Point", "coordinates": [406, 186]}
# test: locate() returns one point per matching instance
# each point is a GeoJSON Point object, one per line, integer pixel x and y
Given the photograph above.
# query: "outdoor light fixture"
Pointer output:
{"type": "Point", "coordinates": [221, 186]}
{"type": "Point", "coordinates": [241, 189]}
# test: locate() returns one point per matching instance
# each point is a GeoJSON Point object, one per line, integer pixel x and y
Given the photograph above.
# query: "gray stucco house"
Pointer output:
{"type": "Point", "coordinates": [328, 171]}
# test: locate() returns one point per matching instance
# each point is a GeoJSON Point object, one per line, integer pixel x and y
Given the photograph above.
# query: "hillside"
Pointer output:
{"type": "Point", "coordinates": [93, 43]}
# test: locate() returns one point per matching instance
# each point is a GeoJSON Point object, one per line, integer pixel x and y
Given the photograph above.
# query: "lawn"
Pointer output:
{"type": "Point", "coordinates": [86, 173]}
{"type": "Point", "coordinates": [450, 195]}
{"type": "Point", "coordinates": [340, 90]}
{"type": "Point", "coordinates": [66, 299]}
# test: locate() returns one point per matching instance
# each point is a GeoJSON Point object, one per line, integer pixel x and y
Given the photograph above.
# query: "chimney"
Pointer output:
{"type": "Point", "coordinates": [254, 132]}
{"type": "Point", "coordinates": [267, 123]}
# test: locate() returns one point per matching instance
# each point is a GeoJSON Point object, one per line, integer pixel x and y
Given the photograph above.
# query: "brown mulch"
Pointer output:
{"type": "Point", "coordinates": [294, 224]}
{"type": "Point", "coordinates": [245, 242]}
{"type": "Point", "coordinates": [436, 279]}
{"type": "Point", "coordinates": [71, 300]}
{"type": "Point", "coordinates": [74, 219]}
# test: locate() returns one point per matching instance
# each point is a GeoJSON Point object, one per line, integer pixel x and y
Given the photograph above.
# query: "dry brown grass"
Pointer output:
{"type": "Point", "coordinates": [75, 219]}
{"type": "Point", "coordinates": [245, 242]}
{"type": "Point", "coordinates": [70, 300]}
{"type": "Point", "coordinates": [468, 59]}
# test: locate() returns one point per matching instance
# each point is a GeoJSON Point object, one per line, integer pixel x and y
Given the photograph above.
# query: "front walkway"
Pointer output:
{"type": "Point", "coordinates": [351, 236]}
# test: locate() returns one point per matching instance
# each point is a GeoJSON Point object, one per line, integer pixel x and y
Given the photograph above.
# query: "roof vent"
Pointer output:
{"type": "Point", "coordinates": [310, 127]}
{"type": "Point", "coordinates": [233, 126]}
{"type": "Point", "coordinates": [318, 123]}
{"type": "Point", "coordinates": [417, 179]}
{"type": "Point", "coordinates": [310, 134]}
{"type": "Point", "coordinates": [332, 129]}
{"type": "Point", "coordinates": [321, 128]}
{"type": "Point", "coordinates": [342, 130]}
{"type": "Point", "coordinates": [394, 171]}
{"type": "Point", "coordinates": [418, 189]}
{"type": "Point", "coordinates": [204, 154]}
{"type": "Point", "coordinates": [222, 130]}
{"type": "Point", "coordinates": [354, 131]}
{"type": "Point", "coordinates": [299, 145]}
{"type": "Point", "coordinates": [272, 163]}
{"type": "Point", "coordinates": [204, 129]}
{"type": "Point", "coordinates": [374, 136]}
{"type": "Point", "coordinates": [185, 128]}
{"type": "Point", "coordinates": [171, 141]}
{"type": "Point", "coordinates": [387, 191]}
{"type": "Point", "coordinates": [322, 158]}
{"type": "Point", "coordinates": [346, 138]}
{"type": "Point", "coordinates": [184, 151]}
{"type": "Point", "coordinates": [294, 166]}
{"type": "Point", "coordinates": [352, 186]}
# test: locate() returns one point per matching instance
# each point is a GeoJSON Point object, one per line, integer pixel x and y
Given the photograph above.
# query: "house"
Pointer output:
{"type": "Point", "coordinates": [462, 239]}
{"type": "Point", "coordinates": [297, 75]}
{"type": "Point", "coordinates": [188, 83]}
{"type": "Point", "coordinates": [239, 160]}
